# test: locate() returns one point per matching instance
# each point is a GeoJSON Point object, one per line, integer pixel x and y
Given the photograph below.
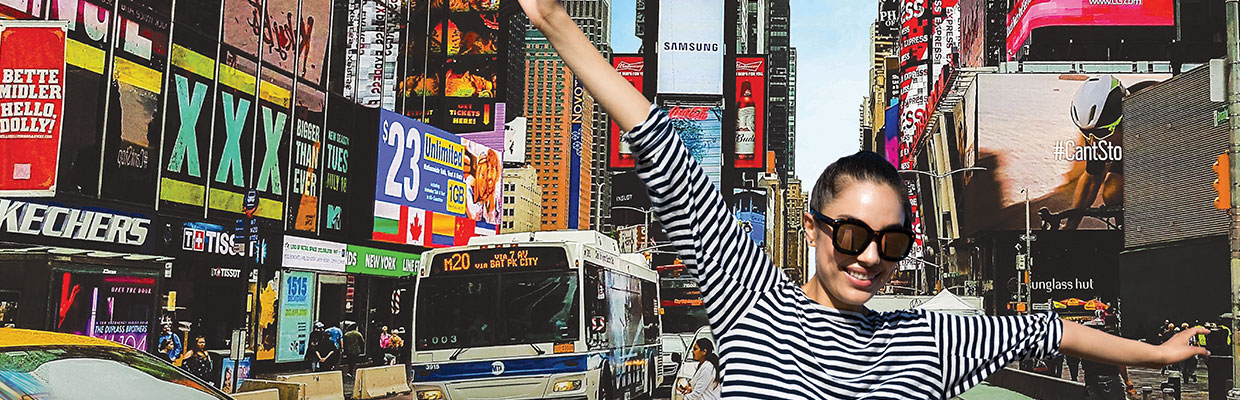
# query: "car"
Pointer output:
{"type": "Point", "coordinates": [672, 350]}
{"type": "Point", "coordinates": [688, 366]}
{"type": "Point", "coordinates": [47, 365]}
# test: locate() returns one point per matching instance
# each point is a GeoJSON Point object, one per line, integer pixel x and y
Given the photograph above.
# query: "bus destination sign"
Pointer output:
{"type": "Point", "coordinates": [499, 260]}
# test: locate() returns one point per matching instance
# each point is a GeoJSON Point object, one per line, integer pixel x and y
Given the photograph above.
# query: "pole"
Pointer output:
{"type": "Point", "coordinates": [1028, 255]}
{"type": "Point", "coordinates": [1233, 238]}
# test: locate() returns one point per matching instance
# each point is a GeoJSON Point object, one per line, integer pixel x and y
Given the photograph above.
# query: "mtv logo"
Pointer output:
{"type": "Point", "coordinates": [333, 217]}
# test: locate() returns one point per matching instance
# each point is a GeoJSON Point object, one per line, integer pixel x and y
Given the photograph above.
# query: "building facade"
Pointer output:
{"type": "Point", "coordinates": [552, 95]}
{"type": "Point", "coordinates": [594, 19]}
{"type": "Point", "coordinates": [522, 200]}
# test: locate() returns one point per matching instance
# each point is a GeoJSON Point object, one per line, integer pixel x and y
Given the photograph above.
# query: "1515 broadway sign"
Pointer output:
{"type": "Point", "coordinates": [23, 218]}
{"type": "Point", "coordinates": [32, 67]}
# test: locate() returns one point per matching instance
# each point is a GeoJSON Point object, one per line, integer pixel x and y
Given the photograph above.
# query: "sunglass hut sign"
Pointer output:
{"type": "Point", "coordinates": [19, 217]}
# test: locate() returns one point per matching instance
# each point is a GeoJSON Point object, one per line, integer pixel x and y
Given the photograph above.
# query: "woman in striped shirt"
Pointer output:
{"type": "Point", "coordinates": [780, 341]}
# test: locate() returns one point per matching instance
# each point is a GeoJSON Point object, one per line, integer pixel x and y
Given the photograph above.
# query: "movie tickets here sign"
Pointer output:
{"type": "Point", "coordinates": [32, 66]}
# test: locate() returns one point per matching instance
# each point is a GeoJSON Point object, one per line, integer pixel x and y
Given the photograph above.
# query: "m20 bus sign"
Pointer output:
{"type": "Point", "coordinates": [32, 66]}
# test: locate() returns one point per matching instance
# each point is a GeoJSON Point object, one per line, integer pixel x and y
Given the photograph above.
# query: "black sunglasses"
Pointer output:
{"type": "Point", "coordinates": [851, 236]}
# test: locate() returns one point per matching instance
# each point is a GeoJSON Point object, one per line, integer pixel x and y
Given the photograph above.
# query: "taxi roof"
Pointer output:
{"type": "Point", "coordinates": [12, 337]}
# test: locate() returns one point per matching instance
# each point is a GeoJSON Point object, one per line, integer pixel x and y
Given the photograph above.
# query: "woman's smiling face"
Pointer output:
{"type": "Point", "coordinates": [849, 281]}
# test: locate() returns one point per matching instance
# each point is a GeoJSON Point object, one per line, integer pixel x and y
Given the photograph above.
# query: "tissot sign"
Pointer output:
{"type": "Point", "coordinates": [62, 222]}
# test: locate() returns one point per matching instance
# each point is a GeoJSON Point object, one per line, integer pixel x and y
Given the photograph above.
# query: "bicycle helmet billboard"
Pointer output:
{"type": "Point", "coordinates": [1098, 106]}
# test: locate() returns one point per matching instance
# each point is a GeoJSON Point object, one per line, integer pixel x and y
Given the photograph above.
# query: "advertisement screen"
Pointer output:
{"type": "Point", "coordinates": [915, 79]}
{"type": "Point", "coordinates": [336, 164]}
{"type": "Point", "coordinates": [514, 140]}
{"type": "Point", "coordinates": [296, 298]}
{"type": "Point", "coordinates": [118, 308]}
{"type": "Point", "coordinates": [306, 182]}
{"type": "Point", "coordinates": [187, 128]}
{"type": "Point", "coordinates": [1027, 138]}
{"type": "Point", "coordinates": [376, 56]}
{"type": "Point", "coordinates": [946, 47]}
{"type": "Point", "coordinates": [751, 112]}
{"type": "Point", "coordinates": [633, 68]}
{"type": "Point", "coordinates": [691, 47]}
{"type": "Point", "coordinates": [433, 188]}
{"type": "Point", "coordinates": [1027, 15]}
{"type": "Point", "coordinates": [32, 63]}
{"type": "Point", "coordinates": [749, 206]}
{"type": "Point", "coordinates": [891, 135]}
{"type": "Point", "coordinates": [270, 172]}
{"type": "Point", "coordinates": [289, 40]}
{"type": "Point", "coordinates": [135, 113]}
{"type": "Point", "coordinates": [919, 237]}
{"type": "Point", "coordinates": [972, 33]}
{"type": "Point", "coordinates": [90, 37]}
{"type": "Point", "coordinates": [700, 127]}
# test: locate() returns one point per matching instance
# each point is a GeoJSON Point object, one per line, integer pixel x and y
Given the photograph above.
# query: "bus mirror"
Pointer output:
{"type": "Point", "coordinates": [676, 358]}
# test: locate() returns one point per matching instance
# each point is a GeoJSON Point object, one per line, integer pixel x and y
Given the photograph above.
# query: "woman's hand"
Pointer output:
{"type": "Point", "coordinates": [539, 10]}
{"type": "Point", "coordinates": [1178, 348]}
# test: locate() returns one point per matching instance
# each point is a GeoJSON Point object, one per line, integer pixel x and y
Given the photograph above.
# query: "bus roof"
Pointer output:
{"type": "Point", "coordinates": [568, 236]}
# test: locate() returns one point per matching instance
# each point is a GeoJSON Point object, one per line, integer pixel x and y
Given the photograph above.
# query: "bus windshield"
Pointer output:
{"type": "Point", "coordinates": [497, 309]}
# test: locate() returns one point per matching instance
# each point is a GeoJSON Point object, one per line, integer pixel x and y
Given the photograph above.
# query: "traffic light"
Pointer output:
{"type": "Point", "coordinates": [1222, 185]}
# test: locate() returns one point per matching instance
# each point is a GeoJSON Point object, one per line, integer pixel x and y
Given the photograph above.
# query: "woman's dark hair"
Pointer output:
{"type": "Point", "coordinates": [864, 166]}
{"type": "Point", "coordinates": [709, 348]}
{"type": "Point", "coordinates": [199, 349]}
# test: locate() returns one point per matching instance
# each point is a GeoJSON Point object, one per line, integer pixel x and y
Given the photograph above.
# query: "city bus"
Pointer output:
{"type": "Point", "coordinates": [559, 315]}
{"type": "Point", "coordinates": [683, 314]}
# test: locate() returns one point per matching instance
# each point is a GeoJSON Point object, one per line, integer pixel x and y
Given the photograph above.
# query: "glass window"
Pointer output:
{"type": "Point", "coordinates": [79, 372]}
{"type": "Point", "coordinates": [497, 309]}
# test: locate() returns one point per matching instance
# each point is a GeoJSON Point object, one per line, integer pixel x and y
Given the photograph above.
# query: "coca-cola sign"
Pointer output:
{"type": "Point", "coordinates": [689, 113]}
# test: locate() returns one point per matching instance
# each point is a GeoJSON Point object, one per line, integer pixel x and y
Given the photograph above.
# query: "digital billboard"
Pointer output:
{"type": "Point", "coordinates": [946, 36]}
{"type": "Point", "coordinates": [514, 140]}
{"type": "Point", "coordinates": [750, 146]}
{"type": "Point", "coordinates": [749, 207]}
{"type": "Point", "coordinates": [915, 80]}
{"type": "Point", "coordinates": [433, 188]}
{"type": "Point", "coordinates": [32, 67]}
{"type": "Point", "coordinates": [1027, 138]}
{"type": "Point", "coordinates": [701, 129]}
{"type": "Point", "coordinates": [691, 47]}
{"type": "Point", "coordinates": [187, 125]}
{"type": "Point", "coordinates": [1027, 15]}
{"type": "Point", "coordinates": [633, 68]}
{"type": "Point", "coordinates": [576, 118]}
{"type": "Point", "coordinates": [972, 33]}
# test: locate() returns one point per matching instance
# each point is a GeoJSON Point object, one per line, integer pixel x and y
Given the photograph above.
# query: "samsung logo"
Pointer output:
{"type": "Point", "coordinates": [690, 46]}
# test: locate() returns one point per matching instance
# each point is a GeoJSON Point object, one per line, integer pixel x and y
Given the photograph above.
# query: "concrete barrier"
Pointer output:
{"type": "Point", "coordinates": [378, 382]}
{"type": "Point", "coordinates": [1036, 385]}
{"type": "Point", "coordinates": [319, 386]}
{"type": "Point", "coordinates": [288, 390]}
{"type": "Point", "coordinates": [265, 394]}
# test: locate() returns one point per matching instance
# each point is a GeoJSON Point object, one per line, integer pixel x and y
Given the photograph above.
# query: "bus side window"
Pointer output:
{"type": "Point", "coordinates": [650, 312]}
{"type": "Point", "coordinates": [595, 300]}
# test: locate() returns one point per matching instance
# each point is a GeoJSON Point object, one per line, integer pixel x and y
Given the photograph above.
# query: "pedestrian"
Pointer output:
{"type": "Point", "coordinates": [1104, 381]}
{"type": "Point", "coordinates": [384, 337]}
{"type": "Point", "coordinates": [165, 351]}
{"type": "Point", "coordinates": [167, 334]}
{"type": "Point", "coordinates": [391, 353]}
{"type": "Point", "coordinates": [705, 384]}
{"type": "Point", "coordinates": [197, 361]}
{"type": "Point", "coordinates": [819, 340]}
{"type": "Point", "coordinates": [323, 351]}
{"type": "Point", "coordinates": [353, 344]}
{"type": "Point", "coordinates": [336, 335]}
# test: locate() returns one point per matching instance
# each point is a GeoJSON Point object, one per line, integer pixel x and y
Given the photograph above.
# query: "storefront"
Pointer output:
{"type": "Point", "coordinates": [342, 284]}
{"type": "Point", "coordinates": [80, 269]}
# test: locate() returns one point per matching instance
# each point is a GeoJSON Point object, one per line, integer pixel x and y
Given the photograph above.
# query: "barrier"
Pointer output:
{"type": "Point", "coordinates": [1037, 386]}
{"type": "Point", "coordinates": [265, 394]}
{"type": "Point", "coordinates": [382, 381]}
{"type": "Point", "coordinates": [287, 390]}
{"type": "Point", "coordinates": [319, 386]}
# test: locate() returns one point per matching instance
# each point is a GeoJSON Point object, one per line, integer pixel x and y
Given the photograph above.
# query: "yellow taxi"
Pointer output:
{"type": "Point", "coordinates": [38, 365]}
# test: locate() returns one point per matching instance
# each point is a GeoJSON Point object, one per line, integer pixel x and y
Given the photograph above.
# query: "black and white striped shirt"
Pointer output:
{"type": "Point", "coordinates": [777, 343]}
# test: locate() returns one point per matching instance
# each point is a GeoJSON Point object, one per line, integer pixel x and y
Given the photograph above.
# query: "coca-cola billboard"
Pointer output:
{"type": "Point", "coordinates": [750, 100]}
{"type": "Point", "coordinates": [633, 68]}
{"type": "Point", "coordinates": [701, 129]}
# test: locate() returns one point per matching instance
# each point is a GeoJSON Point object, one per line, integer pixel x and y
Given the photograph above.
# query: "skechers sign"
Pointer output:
{"type": "Point", "coordinates": [208, 238]}
{"type": "Point", "coordinates": [19, 217]}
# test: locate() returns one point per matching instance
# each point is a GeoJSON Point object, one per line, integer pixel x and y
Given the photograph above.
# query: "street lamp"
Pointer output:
{"type": "Point", "coordinates": [934, 196]}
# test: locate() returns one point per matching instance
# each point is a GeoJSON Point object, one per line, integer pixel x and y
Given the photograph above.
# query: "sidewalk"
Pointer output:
{"type": "Point", "coordinates": [1153, 378]}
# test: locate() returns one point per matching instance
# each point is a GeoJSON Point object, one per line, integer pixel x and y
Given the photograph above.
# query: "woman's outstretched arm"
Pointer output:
{"type": "Point", "coordinates": [626, 106]}
{"type": "Point", "coordinates": [1085, 342]}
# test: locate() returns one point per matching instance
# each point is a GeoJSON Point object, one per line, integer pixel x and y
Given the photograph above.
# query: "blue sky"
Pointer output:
{"type": "Point", "coordinates": [831, 38]}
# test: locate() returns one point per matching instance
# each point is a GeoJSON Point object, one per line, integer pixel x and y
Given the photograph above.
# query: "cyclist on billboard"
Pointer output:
{"type": "Point", "coordinates": [780, 340]}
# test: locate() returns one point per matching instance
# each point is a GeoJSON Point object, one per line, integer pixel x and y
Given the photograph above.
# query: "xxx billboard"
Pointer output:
{"type": "Point", "coordinates": [1059, 137]}
{"type": "Point", "coordinates": [433, 188]}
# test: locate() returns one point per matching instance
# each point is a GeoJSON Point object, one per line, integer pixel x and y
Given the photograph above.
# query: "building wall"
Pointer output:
{"type": "Point", "coordinates": [778, 37]}
{"type": "Point", "coordinates": [522, 200]}
{"type": "Point", "coordinates": [549, 94]}
{"type": "Point", "coordinates": [594, 19]}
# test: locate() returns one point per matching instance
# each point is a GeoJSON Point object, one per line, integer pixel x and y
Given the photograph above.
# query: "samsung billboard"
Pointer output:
{"type": "Point", "coordinates": [691, 47]}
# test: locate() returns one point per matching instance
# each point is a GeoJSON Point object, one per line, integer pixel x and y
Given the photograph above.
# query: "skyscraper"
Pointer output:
{"type": "Point", "coordinates": [779, 51]}
{"type": "Point", "coordinates": [594, 19]}
{"type": "Point", "coordinates": [551, 98]}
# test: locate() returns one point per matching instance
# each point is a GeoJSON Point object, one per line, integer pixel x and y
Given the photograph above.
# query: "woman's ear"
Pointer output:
{"type": "Point", "coordinates": [810, 232]}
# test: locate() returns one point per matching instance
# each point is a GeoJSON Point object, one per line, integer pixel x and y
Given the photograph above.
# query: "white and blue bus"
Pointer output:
{"type": "Point", "coordinates": [559, 315]}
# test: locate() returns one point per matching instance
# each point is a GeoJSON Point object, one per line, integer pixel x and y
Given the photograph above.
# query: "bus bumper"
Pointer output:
{"type": "Point", "coordinates": [579, 385]}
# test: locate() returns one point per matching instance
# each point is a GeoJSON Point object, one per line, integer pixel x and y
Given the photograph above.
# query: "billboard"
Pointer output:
{"type": "Point", "coordinates": [514, 140]}
{"type": "Point", "coordinates": [891, 135]}
{"type": "Point", "coordinates": [915, 80]}
{"type": "Point", "coordinates": [633, 68]}
{"type": "Point", "coordinates": [433, 188]}
{"type": "Point", "coordinates": [749, 207]}
{"type": "Point", "coordinates": [1027, 15]}
{"type": "Point", "coordinates": [690, 47]}
{"type": "Point", "coordinates": [1026, 138]}
{"type": "Point", "coordinates": [32, 67]}
{"type": "Point", "coordinates": [576, 117]}
{"type": "Point", "coordinates": [888, 24]}
{"type": "Point", "coordinates": [701, 129]}
{"type": "Point", "coordinates": [972, 33]}
{"type": "Point", "coordinates": [373, 39]}
{"type": "Point", "coordinates": [919, 238]}
{"type": "Point", "coordinates": [296, 315]}
{"type": "Point", "coordinates": [750, 113]}
{"type": "Point", "coordinates": [946, 38]}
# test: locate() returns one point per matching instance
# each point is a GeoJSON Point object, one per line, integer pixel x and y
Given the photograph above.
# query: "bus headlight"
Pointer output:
{"type": "Point", "coordinates": [567, 386]}
{"type": "Point", "coordinates": [433, 394]}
